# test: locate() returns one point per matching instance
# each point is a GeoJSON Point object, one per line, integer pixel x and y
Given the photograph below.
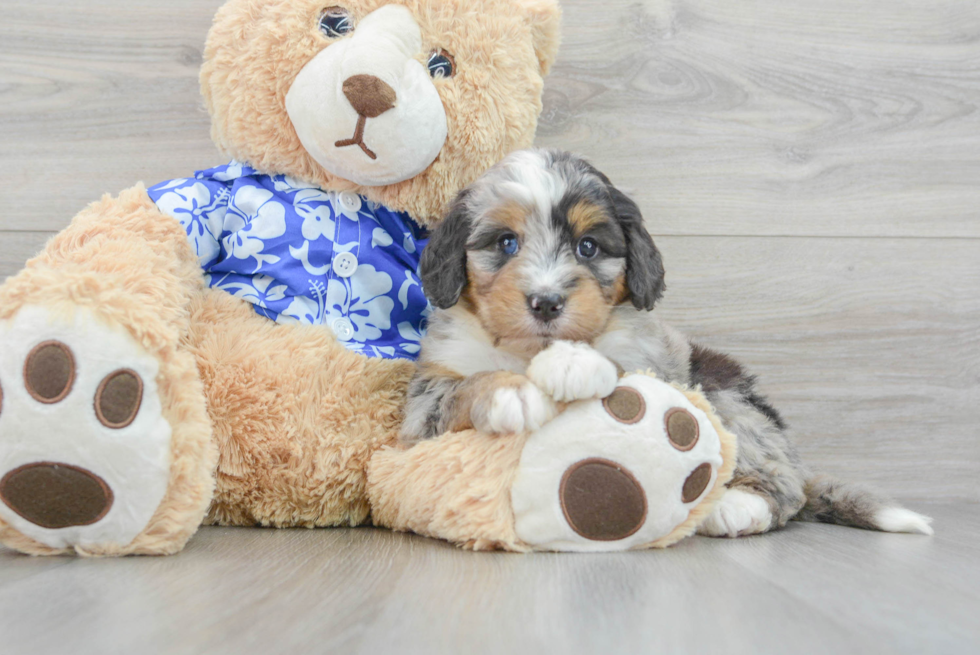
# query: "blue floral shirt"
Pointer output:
{"type": "Point", "coordinates": [303, 255]}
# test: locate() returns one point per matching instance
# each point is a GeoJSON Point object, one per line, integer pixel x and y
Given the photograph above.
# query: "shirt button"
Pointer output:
{"type": "Point", "coordinates": [349, 202]}
{"type": "Point", "coordinates": [345, 264]}
{"type": "Point", "coordinates": [344, 329]}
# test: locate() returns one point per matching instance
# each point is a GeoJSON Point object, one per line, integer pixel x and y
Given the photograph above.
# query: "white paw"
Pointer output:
{"type": "Point", "coordinates": [516, 409]}
{"type": "Point", "coordinates": [569, 371]}
{"type": "Point", "coordinates": [738, 513]}
{"type": "Point", "coordinates": [84, 446]}
{"type": "Point", "coordinates": [899, 519]}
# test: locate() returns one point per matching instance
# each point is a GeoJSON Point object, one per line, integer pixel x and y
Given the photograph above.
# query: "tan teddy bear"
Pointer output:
{"type": "Point", "coordinates": [232, 348]}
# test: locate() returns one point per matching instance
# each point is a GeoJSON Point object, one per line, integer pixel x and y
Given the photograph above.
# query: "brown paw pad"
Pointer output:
{"type": "Point", "coordinates": [626, 405]}
{"type": "Point", "coordinates": [49, 372]}
{"type": "Point", "coordinates": [56, 496]}
{"type": "Point", "coordinates": [602, 501]}
{"type": "Point", "coordinates": [682, 428]}
{"type": "Point", "coordinates": [118, 399]}
{"type": "Point", "coordinates": [696, 483]}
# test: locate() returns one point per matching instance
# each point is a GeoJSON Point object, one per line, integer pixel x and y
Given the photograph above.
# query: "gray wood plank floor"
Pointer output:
{"type": "Point", "coordinates": [808, 589]}
{"type": "Point", "coordinates": [812, 173]}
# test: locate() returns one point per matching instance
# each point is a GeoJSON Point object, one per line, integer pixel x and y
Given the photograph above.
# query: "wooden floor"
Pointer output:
{"type": "Point", "coordinates": [808, 589]}
{"type": "Point", "coordinates": [811, 171]}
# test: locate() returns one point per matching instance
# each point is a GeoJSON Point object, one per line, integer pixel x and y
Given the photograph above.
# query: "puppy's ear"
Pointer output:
{"type": "Point", "coordinates": [644, 265]}
{"type": "Point", "coordinates": [443, 265]}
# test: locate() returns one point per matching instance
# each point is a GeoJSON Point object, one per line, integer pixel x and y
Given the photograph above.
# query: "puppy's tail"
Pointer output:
{"type": "Point", "coordinates": [832, 501]}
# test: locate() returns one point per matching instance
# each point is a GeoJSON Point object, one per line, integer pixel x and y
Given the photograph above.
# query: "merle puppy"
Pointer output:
{"type": "Point", "coordinates": [545, 280]}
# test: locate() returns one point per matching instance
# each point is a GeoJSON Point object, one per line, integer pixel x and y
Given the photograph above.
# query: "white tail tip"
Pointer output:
{"type": "Point", "coordinates": [899, 519]}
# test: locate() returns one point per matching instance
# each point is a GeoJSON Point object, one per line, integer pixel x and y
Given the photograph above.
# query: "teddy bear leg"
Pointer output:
{"type": "Point", "coordinates": [105, 440]}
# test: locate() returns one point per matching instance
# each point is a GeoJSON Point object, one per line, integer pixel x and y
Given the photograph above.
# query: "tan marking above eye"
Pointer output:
{"type": "Point", "coordinates": [602, 501]}
{"type": "Point", "coordinates": [118, 399]}
{"type": "Point", "coordinates": [584, 216]}
{"type": "Point", "coordinates": [49, 372]}
{"type": "Point", "coordinates": [682, 429]}
{"type": "Point", "coordinates": [696, 483]}
{"type": "Point", "coordinates": [512, 215]}
{"type": "Point", "coordinates": [626, 405]}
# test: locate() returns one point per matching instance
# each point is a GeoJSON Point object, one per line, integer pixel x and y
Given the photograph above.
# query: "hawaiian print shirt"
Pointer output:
{"type": "Point", "coordinates": [303, 255]}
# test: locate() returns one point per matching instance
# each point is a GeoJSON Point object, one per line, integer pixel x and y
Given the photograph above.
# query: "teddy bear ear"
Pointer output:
{"type": "Point", "coordinates": [544, 16]}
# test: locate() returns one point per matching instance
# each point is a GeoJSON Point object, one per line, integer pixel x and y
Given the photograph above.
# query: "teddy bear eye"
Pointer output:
{"type": "Point", "coordinates": [336, 22]}
{"type": "Point", "coordinates": [441, 65]}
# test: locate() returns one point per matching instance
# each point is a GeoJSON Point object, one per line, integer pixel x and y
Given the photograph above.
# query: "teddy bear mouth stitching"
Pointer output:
{"type": "Point", "coordinates": [370, 97]}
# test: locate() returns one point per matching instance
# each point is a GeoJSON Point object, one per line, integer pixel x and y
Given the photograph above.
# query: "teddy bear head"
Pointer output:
{"type": "Point", "coordinates": [403, 102]}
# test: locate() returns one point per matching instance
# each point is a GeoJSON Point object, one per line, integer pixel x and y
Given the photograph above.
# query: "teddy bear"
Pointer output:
{"type": "Point", "coordinates": [231, 348]}
{"type": "Point", "coordinates": [234, 347]}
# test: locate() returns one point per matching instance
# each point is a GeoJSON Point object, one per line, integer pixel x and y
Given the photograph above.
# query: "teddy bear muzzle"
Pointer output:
{"type": "Point", "coordinates": [365, 108]}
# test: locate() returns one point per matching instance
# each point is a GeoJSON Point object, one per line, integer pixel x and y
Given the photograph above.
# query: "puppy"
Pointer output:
{"type": "Point", "coordinates": [545, 280]}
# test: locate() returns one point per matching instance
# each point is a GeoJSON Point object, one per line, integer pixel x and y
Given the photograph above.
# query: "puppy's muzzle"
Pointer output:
{"type": "Point", "coordinates": [546, 307]}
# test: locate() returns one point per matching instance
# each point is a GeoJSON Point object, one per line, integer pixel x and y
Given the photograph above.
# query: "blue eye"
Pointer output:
{"type": "Point", "coordinates": [588, 248]}
{"type": "Point", "coordinates": [442, 66]}
{"type": "Point", "coordinates": [508, 244]}
{"type": "Point", "coordinates": [336, 22]}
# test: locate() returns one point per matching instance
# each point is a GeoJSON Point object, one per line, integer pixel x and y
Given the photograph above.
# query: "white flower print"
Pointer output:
{"type": "Point", "coordinates": [308, 310]}
{"type": "Point", "coordinates": [362, 298]}
{"type": "Point", "coordinates": [258, 292]}
{"type": "Point", "coordinates": [380, 237]}
{"type": "Point", "coordinates": [201, 213]}
{"type": "Point", "coordinates": [413, 336]}
{"type": "Point", "coordinates": [253, 216]}
{"type": "Point", "coordinates": [313, 205]}
{"type": "Point", "coordinates": [233, 171]}
{"type": "Point", "coordinates": [302, 255]}
{"type": "Point", "coordinates": [406, 287]}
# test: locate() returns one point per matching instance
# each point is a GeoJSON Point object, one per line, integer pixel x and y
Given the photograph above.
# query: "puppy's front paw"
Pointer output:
{"type": "Point", "coordinates": [513, 409]}
{"type": "Point", "coordinates": [737, 514]}
{"type": "Point", "coordinates": [569, 371]}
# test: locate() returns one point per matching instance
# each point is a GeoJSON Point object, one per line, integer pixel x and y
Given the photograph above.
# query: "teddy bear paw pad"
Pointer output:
{"type": "Point", "coordinates": [84, 446]}
{"type": "Point", "coordinates": [615, 474]}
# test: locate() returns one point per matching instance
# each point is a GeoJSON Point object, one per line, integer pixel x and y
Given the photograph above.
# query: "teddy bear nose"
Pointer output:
{"type": "Point", "coordinates": [369, 96]}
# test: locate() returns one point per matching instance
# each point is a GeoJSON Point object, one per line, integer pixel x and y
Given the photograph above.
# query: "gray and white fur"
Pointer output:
{"type": "Point", "coordinates": [543, 257]}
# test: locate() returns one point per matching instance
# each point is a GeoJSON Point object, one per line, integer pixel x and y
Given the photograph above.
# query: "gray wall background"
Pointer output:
{"type": "Point", "coordinates": [811, 171]}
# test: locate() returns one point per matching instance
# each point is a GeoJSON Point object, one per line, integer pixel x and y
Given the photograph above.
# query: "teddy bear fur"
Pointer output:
{"type": "Point", "coordinates": [275, 425]}
{"type": "Point", "coordinates": [458, 487]}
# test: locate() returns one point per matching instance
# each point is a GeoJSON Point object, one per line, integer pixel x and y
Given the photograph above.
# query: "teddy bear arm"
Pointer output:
{"type": "Point", "coordinates": [99, 395]}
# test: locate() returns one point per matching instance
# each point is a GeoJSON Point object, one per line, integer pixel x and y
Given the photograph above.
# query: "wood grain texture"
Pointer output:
{"type": "Point", "coordinates": [794, 117]}
{"type": "Point", "coordinates": [807, 589]}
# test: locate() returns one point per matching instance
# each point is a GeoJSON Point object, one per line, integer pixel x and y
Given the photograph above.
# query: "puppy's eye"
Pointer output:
{"type": "Point", "coordinates": [442, 66]}
{"type": "Point", "coordinates": [336, 22]}
{"type": "Point", "coordinates": [508, 244]}
{"type": "Point", "coordinates": [588, 248]}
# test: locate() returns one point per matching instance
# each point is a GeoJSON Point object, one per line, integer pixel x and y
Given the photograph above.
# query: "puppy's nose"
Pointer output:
{"type": "Point", "coordinates": [369, 96]}
{"type": "Point", "coordinates": [546, 307]}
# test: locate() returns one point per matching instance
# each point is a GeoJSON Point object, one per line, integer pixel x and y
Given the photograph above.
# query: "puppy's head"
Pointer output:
{"type": "Point", "coordinates": [543, 246]}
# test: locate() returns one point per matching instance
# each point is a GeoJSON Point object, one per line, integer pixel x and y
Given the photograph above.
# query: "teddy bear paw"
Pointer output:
{"type": "Point", "coordinates": [84, 446]}
{"type": "Point", "coordinates": [624, 472]}
{"type": "Point", "coordinates": [569, 371]}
